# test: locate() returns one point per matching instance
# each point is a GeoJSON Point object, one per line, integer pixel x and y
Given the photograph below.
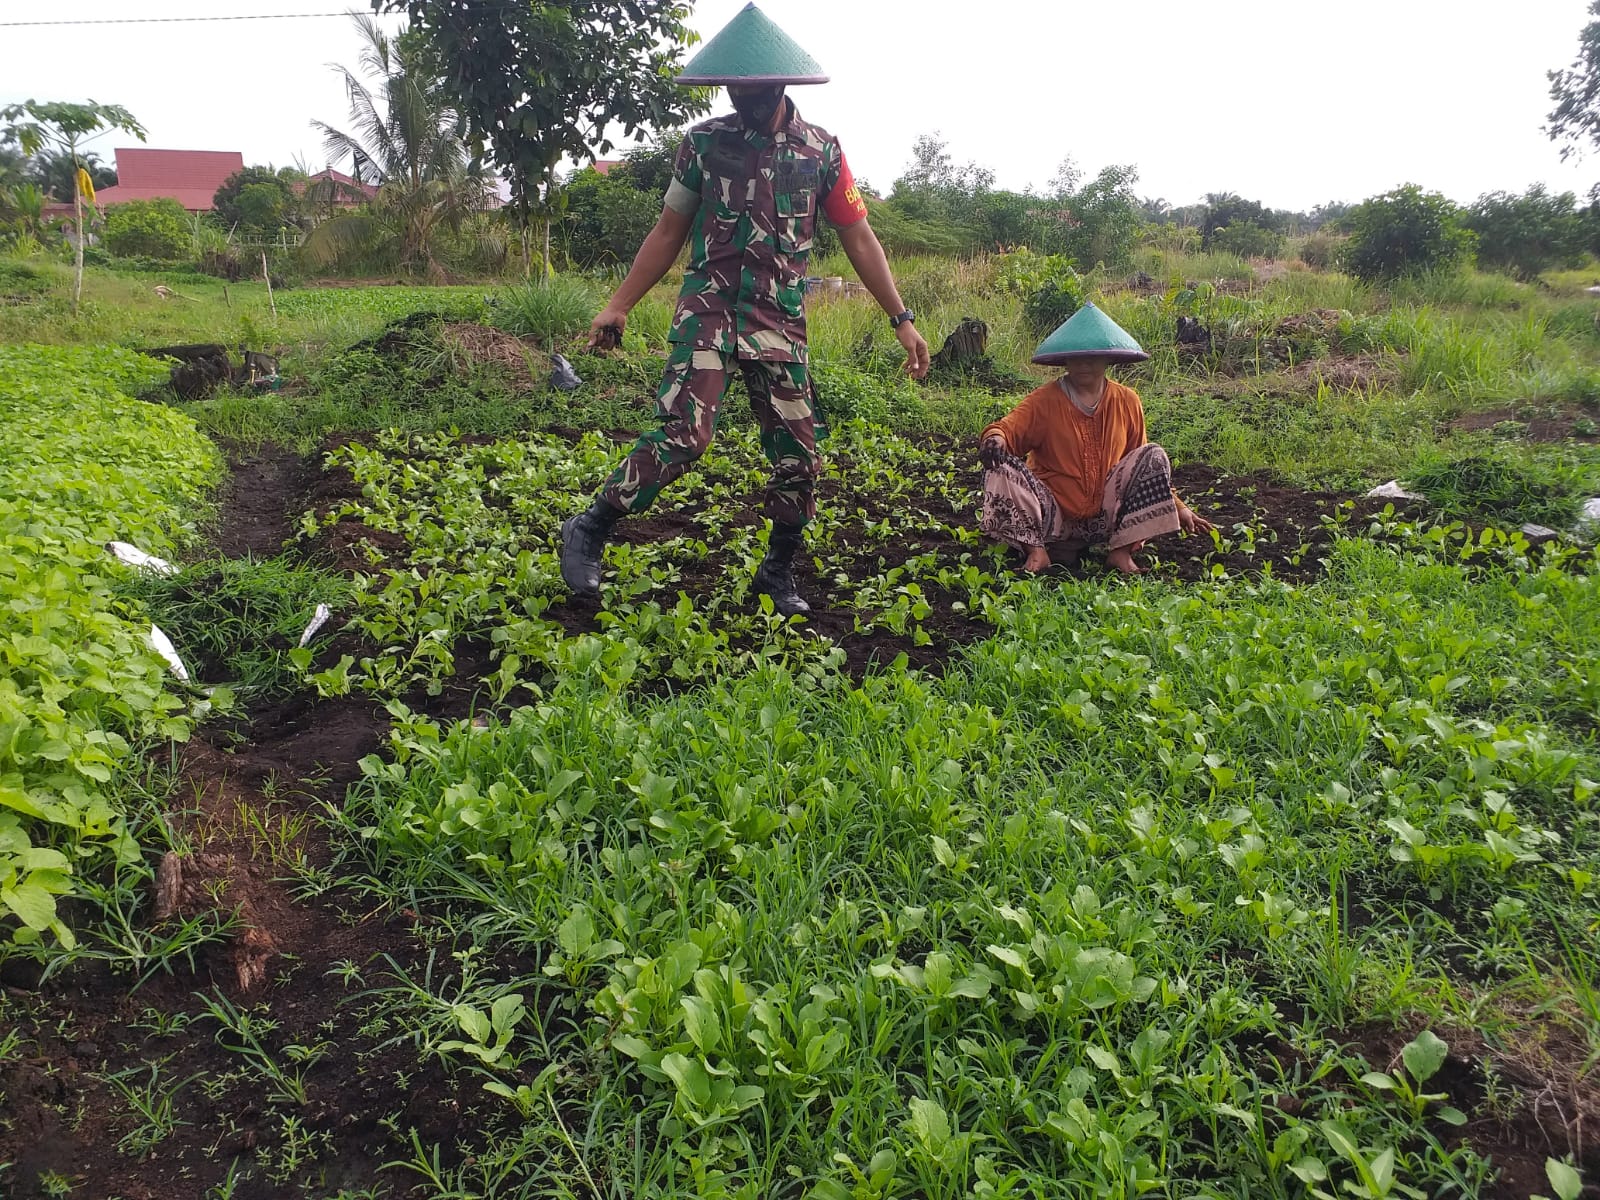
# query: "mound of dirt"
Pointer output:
{"type": "Point", "coordinates": [522, 361]}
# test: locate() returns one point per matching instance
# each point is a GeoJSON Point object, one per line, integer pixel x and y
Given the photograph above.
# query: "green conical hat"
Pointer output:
{"type": "Point", "coordinates": [751, 49]}
{"type": "Point", "coordinates": [1089, 333]}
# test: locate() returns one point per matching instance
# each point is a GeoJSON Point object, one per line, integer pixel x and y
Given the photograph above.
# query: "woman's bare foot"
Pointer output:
{"type": "Point", "coordinates": [1038, 559]}
{"type": "Point", "coordinates": [1122, 559]}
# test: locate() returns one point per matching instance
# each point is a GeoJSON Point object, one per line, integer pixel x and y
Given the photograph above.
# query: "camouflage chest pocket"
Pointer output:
{"type": "Point", "coordinates": [794, 185]}
{"type": "Point", "coordinates": [725, 194]}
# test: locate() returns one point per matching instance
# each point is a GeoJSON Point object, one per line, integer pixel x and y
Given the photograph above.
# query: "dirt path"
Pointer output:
{"type": "Point", "coordinates": [261, 500]}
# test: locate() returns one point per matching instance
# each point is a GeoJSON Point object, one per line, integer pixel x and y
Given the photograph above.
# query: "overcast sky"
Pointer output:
{"type": "Point", "coordinates": [1293, 104]}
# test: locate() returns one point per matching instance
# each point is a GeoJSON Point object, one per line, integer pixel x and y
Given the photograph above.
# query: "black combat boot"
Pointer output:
{"type": "Point", "coordinates": [774, 577]}
{"type": "Point", "coordinates": [583, 539]}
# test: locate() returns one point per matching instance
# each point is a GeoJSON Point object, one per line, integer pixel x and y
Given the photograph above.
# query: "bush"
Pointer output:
{"type": "Point", "coordinates": [1247, 240]}
{"type": "Point", "coordinates": [1050, 288]}
{"type": "Point", "coordinates": [606, 218]}
{"type": "Point", "coordinates": [1320, 251]}
{"type": "Point", "coordinates": [547, 309]}
{"type": "Point", "coordinates": [1102, 220]}
{"type": "Point", "coordinates": [257, 199]}
{"type": "Point", "coordinates": [1530, 233]}
{"type": "Point", "coordinates": [19, 279]}
{"type": "Point", "coordinates": [1404, 232]}
{"type": "Point", "coordinates": [156, 229]}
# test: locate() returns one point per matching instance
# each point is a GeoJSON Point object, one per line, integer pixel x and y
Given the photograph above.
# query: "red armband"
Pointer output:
{"type": "Point", "coordinates": [844, 205]}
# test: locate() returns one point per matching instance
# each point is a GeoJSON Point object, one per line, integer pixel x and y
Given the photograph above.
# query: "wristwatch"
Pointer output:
{"type": "Point", "coordinates": [904, 318]}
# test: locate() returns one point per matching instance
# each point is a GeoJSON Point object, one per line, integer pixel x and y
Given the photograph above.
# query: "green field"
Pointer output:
{"type": "Point", "coordinates": [1272, 873]}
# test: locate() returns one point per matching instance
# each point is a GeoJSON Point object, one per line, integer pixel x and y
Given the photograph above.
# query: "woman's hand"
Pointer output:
{"type": "Point", "coordinates": [1192, 522]}
{"type": "Point", "coordinates": [992, 452]}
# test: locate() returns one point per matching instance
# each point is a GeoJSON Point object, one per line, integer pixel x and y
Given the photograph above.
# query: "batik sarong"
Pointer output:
{"type": "Point", "coordinates": [1138, 505]}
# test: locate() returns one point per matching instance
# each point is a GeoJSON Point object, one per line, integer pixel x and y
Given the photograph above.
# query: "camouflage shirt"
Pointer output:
{"type": "Point", "coordinates": [757, 198]}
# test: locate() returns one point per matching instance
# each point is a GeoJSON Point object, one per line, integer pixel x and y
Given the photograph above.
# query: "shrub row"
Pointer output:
{"type": "Point", "coordinates": [82, 463]}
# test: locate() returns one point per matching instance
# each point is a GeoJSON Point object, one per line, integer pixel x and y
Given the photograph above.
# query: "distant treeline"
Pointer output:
{"type": "Point", "coordinates": [941, 207]}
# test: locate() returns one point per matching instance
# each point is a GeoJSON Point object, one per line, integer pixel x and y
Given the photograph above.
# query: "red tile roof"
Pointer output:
{"type": "Point", "coordinates": [346, 182]}
{"type": "Point", "coordinates": [604, 165]}
{"type": "Point", "coordinates": [191, 177]}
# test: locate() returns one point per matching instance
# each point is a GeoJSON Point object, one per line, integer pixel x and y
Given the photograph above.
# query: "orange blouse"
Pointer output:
{"type": "Point", "coordinates": [1071, 453]}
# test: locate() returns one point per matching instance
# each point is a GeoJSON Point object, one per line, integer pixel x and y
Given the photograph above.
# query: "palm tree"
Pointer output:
{"type": "Point", "coordinates": [407, 141]}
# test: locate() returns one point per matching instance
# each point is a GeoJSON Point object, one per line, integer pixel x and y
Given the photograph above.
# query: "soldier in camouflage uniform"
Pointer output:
{"type": "Point", "coordinates": [746, 192]}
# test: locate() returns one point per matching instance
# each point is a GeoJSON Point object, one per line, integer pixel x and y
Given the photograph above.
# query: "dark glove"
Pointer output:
{"type": "Point", "coordinates": [992, 453]}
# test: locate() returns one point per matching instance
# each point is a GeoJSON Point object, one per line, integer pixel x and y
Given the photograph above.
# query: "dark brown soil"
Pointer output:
{"type": "Point", "coordinates": [1525, 1101]}
{"type": "Point", "coordinates": [261, 501]}
{"type": "Point", "coordinates": [1548, 424]}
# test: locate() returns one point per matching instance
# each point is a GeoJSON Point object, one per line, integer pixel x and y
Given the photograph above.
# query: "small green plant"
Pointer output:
{"type": "Point", "coordinates": [1422, 1057]}
{"type": "Point", "coordinates": [243, 1031]}
{"type": "Point", "coordinates": [152, 1101]}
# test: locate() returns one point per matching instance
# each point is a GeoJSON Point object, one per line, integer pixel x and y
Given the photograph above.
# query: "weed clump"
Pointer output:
{"type": "Point", "coordinates": [547, 309]}
{"type": "Point", "coordinates": [235, 620]}
{"type": "Point", "coordinates": [1497, 487]}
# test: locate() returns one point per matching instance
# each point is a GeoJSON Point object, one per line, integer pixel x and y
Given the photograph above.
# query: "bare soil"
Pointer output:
{"type": "Point", "coordinates": [1549, 424]}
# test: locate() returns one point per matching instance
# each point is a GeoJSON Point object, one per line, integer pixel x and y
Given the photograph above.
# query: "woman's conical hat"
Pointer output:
{"type": "Point", "coordinates": [752, 50]}
{"type": "Point", "coordinates": [1089, 333]}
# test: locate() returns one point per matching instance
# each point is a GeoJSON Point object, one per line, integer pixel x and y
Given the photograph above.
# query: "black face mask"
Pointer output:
{"type": "Point", "coordinates": [757, 107]}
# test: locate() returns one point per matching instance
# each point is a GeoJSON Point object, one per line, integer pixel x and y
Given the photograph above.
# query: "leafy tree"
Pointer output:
{"type": "Point", "coordinates": [539, 82]}
{"type": "Point", "coordinates": [408, 142]}
{"type": "Point", "coordinates": [648, 167]}
{"type": "Point", "coordinates": [156, 228]}
{"type": "Point", "coordinates": [1228, 208]}
{"type": "Point", "coordinates": [933, 188]}
{"type": "Point", "coordinates": [1330, 215]}
{"type": "Point", "coordinates": [58, 176]}
{"type": "Point", "coordinates": [1406, 231]}
{"type": "Point", "coordinates": [1105, 219]}
{"type": "Point", "coordinates": [1530, 233]}
{"type": "Point", "coordinates": [1575, 119]}
{"type": "Point", "coordinates": [62, 127]}
{"type": "Point", "coordinates": [605, 218]}
{"type": "Point", "coordinates": [273, 198]}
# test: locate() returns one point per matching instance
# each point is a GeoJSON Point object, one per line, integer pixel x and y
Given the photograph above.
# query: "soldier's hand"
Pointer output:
{"type": "Point", "coordinates": [606, 331]}
{"type": "Point", "coordinates": [916, 350]}
{"type": "Point", "coordinates": [991, 453]}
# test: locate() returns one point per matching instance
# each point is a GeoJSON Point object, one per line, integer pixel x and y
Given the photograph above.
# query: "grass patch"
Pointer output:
{"type": "Point", "coordinates": [548, 309]}
{"type": "Point", "coordinates": [234, 621]}
{"type": "Point", "coordinates": [1505, 487]}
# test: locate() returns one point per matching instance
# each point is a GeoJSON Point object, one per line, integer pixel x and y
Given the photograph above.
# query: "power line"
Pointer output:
{"type": "Point", "coordinates": [484, 4]}
{"type": "Point", "coordinates": [173, 20]}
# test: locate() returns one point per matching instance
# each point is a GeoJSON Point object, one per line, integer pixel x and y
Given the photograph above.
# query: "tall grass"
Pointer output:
{"type": "Point", "coordinates": [1445, 354]}
{"type": "Point", "coordinates": [547, 309]}
{"type": "Point", "coordinates": [1177, 265]}
{"type": "Point", "coordinates": [1461, 289]}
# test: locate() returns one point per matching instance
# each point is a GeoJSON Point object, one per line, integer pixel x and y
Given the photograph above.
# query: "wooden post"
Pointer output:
{"type": "Point", "coordinates": [77, 204]}
{"type": "Point", "coordinates": [273, 304]}
{"type": "Point", "coordinates": [226, 299]}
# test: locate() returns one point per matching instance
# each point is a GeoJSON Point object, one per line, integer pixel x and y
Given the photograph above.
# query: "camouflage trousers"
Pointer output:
{"type": "Point", "coordinates": [691, 393]}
